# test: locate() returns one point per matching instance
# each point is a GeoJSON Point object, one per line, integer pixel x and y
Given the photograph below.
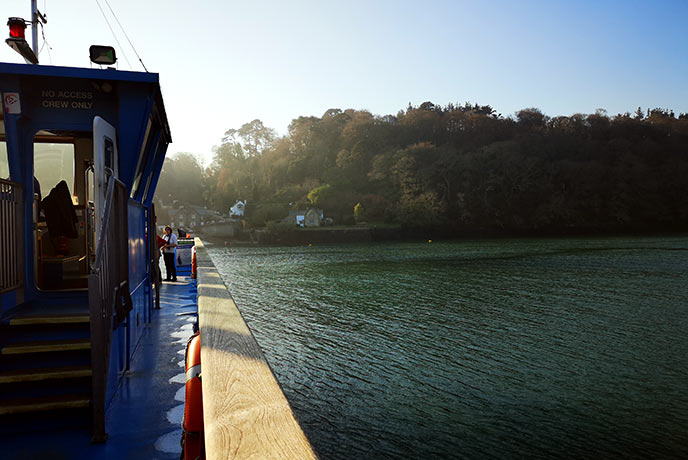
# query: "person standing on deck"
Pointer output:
{"type": "Point", "coordinates": [169, 252]}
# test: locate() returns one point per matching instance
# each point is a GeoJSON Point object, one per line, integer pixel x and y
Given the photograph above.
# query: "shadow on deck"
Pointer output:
{"type": "Point", "coordinates": [144, 418]}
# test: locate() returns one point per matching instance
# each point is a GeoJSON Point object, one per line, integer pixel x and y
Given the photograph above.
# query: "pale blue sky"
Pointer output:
{"type": "Point", "coordinates": [224, 63]}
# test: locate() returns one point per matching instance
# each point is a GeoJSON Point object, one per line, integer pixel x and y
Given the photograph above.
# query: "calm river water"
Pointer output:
{"type": "Point", "coordinates": [545, 348]}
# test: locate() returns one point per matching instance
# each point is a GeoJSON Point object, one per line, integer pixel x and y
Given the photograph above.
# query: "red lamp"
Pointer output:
{"type": "Point", "coordinates": [17, 40]}
{"type": "Point", "coordinates": [17, 27]}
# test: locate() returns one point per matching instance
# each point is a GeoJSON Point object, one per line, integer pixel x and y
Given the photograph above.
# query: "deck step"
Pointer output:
{"type": "Point", "coordinates": [33, 375]}
{"type": "Point", "coordinates": [49, 403]}
{"type": "Point", "coordinates": [49, 319]}
{"type": "Point", "coordinates": [46, 346]}
{"type": "Point", "coordinates": [35, 313]}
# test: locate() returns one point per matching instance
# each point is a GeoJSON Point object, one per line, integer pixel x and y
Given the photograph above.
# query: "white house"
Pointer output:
{"type": "Point", "coordinates": [238, 209]}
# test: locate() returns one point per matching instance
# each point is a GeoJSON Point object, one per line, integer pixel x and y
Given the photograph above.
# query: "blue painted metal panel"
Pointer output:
{"type": "Point", "coordinates": [139, 272]}
{"type": "Point", "coordinates": [138, 252]}
{"type": "Point", "coordinates": [117, 360]}
{"type": "Point", "coordinates": [74, 72]}
{"type": "Point", "coordinates": [135, 107]}
{"type": "Point", "coordinates": [68, 104]}
{"type": "Point", "coordinates": [136, 323]}
{"type": "Point", "coordinates": [12, 131]}
{"type": "Point", "coordinates": [26, 150]}
{"type": "Point", "coordinates": [7, 300]}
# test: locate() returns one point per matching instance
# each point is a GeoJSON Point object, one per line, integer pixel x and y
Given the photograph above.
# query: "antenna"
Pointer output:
{"type": "Point", "coordinates": [127, 36]}
{"type": "Point", "coordinates": [35, 17]}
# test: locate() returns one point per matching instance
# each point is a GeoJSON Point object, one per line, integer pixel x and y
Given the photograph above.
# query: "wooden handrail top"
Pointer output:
{"type": "Point", "coordinates": [245, 412]}
{"type": "Point", "coordinates": [9, 182]}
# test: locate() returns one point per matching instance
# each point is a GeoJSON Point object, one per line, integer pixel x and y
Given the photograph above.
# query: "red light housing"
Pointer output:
{"type": "Point", "coordinates": [17, 27]}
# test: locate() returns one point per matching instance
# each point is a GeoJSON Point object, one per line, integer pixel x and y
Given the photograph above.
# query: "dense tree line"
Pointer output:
{"type": "Point", "coordinates": [455, 167]}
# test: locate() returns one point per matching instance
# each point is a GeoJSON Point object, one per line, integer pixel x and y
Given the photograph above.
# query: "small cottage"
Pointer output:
{"type": "Point", "coordinates": [311, 217]}
{"type": "Point", "coordinates": [191, 217]}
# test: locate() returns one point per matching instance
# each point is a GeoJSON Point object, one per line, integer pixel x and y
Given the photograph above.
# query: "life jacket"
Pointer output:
{"type": "Point", "coordinates": [193, 445]}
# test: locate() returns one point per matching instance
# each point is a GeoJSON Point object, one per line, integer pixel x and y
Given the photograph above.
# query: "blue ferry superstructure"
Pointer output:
{"type": "Point", "coordinates": [81, 152]}
{"type": "Point", "coordinates": [89, 368]}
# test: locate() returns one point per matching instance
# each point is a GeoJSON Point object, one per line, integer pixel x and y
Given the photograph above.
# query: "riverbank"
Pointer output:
{"type": "Point", "coordinates": [368, 234]}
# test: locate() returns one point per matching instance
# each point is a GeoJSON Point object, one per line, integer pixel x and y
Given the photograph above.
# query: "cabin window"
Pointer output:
{"type": "Point", "coordinates": [109, 148]}
{"type": "Point", "coordinates": [143, 161]}
{"type": "Point", "coordinates": [4, 164]}
{"type": "Point", "coordinates": [149, 180]}
{"type": "Point", "coordinates": [53, 162]}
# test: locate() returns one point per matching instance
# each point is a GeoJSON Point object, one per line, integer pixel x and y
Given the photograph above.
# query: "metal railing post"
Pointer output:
{"type": "Point", "coordinates": [11, 236]}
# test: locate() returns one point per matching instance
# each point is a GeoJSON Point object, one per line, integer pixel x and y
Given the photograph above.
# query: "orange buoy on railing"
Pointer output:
{"type": "Point", "coordinates": [193, 263]}
{"type": "Point", "coordinates": [192, 428]}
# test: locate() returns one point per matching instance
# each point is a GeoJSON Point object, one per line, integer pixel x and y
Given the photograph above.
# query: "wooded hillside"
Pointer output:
{"type": "Point", "coordinates": [457, 167]}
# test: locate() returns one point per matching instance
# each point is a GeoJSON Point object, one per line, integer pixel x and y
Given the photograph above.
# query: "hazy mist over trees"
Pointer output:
{"type": "Point", "coordinates": [455, 167]}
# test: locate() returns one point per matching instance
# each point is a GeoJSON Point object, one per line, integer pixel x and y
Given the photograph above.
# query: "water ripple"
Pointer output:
{"type": "Point", "coordinates": [556, 348]}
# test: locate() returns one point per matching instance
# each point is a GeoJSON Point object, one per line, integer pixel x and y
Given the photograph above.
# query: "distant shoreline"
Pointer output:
{"type": "Point", "coordinates": [306, 236]}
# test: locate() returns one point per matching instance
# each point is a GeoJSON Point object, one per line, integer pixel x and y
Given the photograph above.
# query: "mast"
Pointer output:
{"type": "Point", "coordinates": [34, 26]}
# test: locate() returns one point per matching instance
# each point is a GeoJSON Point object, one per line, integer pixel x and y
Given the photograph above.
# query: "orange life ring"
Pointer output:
{"type": "Point", "coordinates": [193, 263]}
{"type": "Point", "coordinates": [192, 428]}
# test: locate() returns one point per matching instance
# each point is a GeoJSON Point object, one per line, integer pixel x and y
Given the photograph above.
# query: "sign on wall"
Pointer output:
{"type": "Point", "coordinates": [11, 103]}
